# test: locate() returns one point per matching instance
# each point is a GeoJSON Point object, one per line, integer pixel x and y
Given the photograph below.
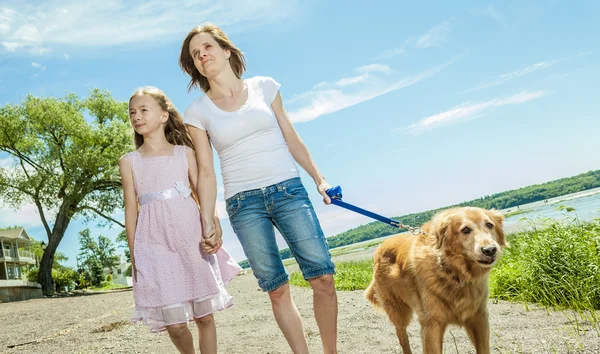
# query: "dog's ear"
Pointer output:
{"type": "Point", "coordinates": [499, 222]}
{"type": "Point", "coordinates": [439, 226]}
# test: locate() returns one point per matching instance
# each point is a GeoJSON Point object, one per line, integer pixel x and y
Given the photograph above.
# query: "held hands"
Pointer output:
{"type": "Point", "coordinates": [212, 236]}
{"type": "Point", "coordinates": [322, 187]}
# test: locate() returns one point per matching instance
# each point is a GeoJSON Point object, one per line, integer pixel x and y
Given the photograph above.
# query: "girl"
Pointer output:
{"type": "Point", "coordinates": [258, 149]}
{"type": "Point", "coordinates": [176, 276]}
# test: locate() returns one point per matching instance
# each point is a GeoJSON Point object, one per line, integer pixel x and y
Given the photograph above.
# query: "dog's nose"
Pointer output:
{"type": "Point", "coordinates": [489, 250]}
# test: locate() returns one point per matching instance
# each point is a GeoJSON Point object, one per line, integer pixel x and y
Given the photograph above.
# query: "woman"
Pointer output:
{"type": "Point", "coordinates": [258, 149]}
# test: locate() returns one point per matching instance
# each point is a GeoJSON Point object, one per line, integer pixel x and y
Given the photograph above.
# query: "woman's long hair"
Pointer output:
{"type": "Point", "coordinates": [186, 61]}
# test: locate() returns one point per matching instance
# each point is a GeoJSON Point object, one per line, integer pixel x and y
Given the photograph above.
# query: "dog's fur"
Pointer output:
{"type": "Point", "coordinates": [441, 275]}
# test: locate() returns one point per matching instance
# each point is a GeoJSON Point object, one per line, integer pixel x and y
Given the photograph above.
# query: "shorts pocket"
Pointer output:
{"type": "Point", "coordinates": [233, 206]}
{"type": "Point", "coordinates": [295, 191]}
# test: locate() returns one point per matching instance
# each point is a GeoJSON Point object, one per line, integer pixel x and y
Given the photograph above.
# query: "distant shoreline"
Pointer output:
{"type": "Point", "coordinates": [554, 200]}
{"type": "Point", "coordinates": [510, 228]}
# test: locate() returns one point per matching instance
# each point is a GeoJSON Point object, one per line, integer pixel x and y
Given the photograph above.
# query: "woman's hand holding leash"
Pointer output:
{"type": "Point", "coordinates": [322, 187]}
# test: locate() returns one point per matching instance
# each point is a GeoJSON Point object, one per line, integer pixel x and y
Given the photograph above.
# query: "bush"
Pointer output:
{"type": "Point", "coordinates": [85, 280]}
{"type": "Point", "coordinates": [32, 275]}
{"type": "Point", "coordinates": [64, 277]}
{"type": "Point", "coordinates": [109, 278]}
{"type": "Point", "coordinates": [556, 265]}
{"type": "Point", "coordinates": [61, 277]}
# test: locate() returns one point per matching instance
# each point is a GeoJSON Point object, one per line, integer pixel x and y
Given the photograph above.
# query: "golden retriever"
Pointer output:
{"type": "Point", "coordinates": [441, 274]}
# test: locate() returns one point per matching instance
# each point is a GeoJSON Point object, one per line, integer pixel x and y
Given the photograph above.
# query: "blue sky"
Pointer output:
{"type": "Point", "coordinates": [407, 106]}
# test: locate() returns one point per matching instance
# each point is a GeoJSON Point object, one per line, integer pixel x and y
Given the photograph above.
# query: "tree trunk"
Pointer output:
{"type": "Point", "coordinates": [45, 272]}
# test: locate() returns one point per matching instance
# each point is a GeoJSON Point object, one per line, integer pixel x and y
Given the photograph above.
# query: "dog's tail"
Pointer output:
{"type": "Point", "coordinates": [371, 294]}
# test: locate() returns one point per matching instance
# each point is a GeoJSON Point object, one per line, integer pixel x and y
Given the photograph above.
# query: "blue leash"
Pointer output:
{"type": "Point", "coordinates": [335, 193]}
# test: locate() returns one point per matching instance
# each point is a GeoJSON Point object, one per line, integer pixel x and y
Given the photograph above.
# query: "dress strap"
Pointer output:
{"type": "Point", "coordinates": [133, 160]}
{"type": "Point", "coordinates": [181, 152]}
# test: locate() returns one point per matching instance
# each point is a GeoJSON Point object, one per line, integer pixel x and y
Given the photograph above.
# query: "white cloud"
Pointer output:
{"type": "Point", "coordinates": [374, 68]}
{"type": "Point", "coordinates": [470, 110]}
{"type": "Point", "coordinates": [325, 98]}
{"type": "Point", "coordinates": [39, 50]}
{"type": "Point", "coordinates": [527, 70]}
{"type": "Point", "coordinates": [38, 66]}
{"type": "Point", "coordinates": [26, 216]}
{"type": "Point", "coordinates": [491, 11]}
{"type": "Point", "coordinates": [38, 28]}
{"type": "Point", "coordinates": [349, 80]}
{"type": "Point", "coordinates": [67, 56]}
{"type": "Point", "coordinates": [6, 162]}
{"type": "Point", "coordinates": [435, 36]}
{"type": "Point", "coordinates": [514, 74]}
{"type": "Point", "coordinates": [12, 46]}
{"type": "Point", "coordinates": [5, 20]}
{"type": "Point", "coordinates": [390, 53]}
{"type": "Point", "coordinates": [364, 76]}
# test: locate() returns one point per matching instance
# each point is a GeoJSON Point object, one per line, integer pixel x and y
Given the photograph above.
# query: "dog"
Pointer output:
{"type": "Point", "coordinates": [441, 274]}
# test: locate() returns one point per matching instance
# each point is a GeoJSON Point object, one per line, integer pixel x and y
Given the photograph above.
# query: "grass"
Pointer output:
{"type": "Point", "coordinates": [553, 264]}
{"type": "Point", "coordinates": [355, 275]}
{"type": "Point", "coordinates": [108, 286]}
{"type": "Point", "coordinates": [340, 251]}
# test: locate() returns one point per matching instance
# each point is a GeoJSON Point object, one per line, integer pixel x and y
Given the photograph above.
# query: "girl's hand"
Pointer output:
{"type": "Point", "coordinates": [212, 239]}
{"type": "Point", "coordinates": [322, 187]}
{"type": "Point", "coordinates": [211, 245]}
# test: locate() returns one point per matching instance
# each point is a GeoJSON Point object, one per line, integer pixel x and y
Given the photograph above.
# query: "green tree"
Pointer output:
{"type": "Point", "coordinates": [61, 274]}
{"type": "Point", "coordinates": [90, 251]}
{"type": "Point", "coordinates": [65, 155]}
{"type": "Point", "coordinates": [96, 272]}
{"type": "Point", "coordinates": [59, 257]}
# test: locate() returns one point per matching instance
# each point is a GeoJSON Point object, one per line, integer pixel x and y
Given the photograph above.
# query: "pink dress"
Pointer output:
{"type": "Point", "coordinates": [176, 280]}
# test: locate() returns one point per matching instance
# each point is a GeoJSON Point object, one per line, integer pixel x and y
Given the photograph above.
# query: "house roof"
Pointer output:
{"type": "Point", "coordinates": [18, 233]}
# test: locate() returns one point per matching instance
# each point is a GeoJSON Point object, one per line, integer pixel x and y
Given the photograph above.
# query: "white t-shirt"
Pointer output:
{"type": "Point", "coordinates": [249, 141]}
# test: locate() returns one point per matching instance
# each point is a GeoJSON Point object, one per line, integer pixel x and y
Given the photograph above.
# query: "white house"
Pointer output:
{"type": "Point", "coordinates": [118, 272]}
{"type": "Point", "coordinates": [16, 259]}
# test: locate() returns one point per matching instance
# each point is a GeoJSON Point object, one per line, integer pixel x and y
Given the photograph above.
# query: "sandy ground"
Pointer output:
{"type": "Point", "coordinates": [98, 324]}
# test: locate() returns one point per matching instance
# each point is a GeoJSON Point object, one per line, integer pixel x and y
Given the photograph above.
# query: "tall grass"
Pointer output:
{"type": "Point", "coordinates": [554, 264]}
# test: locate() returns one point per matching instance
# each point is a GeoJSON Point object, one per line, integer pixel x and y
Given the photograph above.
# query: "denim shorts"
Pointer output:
{"type": "Point", "coordinates": [254, 214]}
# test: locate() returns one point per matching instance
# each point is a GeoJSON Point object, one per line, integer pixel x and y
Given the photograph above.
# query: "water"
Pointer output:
{"type": "Point", "coordinates": [587, 208]}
